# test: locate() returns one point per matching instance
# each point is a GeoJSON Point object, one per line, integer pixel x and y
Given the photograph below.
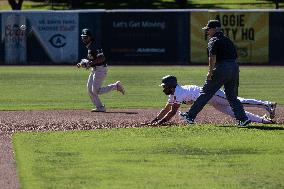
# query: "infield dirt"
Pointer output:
{"type": "Point", "coordinates": [63, 120]}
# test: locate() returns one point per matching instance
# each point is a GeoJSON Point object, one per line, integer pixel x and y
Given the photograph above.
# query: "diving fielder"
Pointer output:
{"type": "Point", "coordinates": [97, 61]}
{"type": "Point", "coordinates": [189, 93]}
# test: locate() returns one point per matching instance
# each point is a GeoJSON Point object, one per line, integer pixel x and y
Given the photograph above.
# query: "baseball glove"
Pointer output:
{"type": "Point", "coordinates": [84, 63]}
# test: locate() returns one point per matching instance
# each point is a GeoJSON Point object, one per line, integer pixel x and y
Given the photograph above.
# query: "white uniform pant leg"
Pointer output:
{"type": "Point", "coordinates": [221, 104]}
{"type": "Point", "coordinates": [101, 90]}
{"type": "Point", "coordinates": [254, 103]}
{"type": "Point", "coordinates": [90, 85]}
{"type": "Point", "coordinates": [94, 83]}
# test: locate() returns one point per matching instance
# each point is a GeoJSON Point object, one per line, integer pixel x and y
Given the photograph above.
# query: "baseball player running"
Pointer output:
{"type": "Point", "coordinates": [97, 61]}
{"type": "Point", "coordinates": [189, 93]}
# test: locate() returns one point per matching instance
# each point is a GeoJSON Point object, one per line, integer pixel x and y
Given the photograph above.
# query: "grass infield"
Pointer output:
{"type": "Point", "coordinates": [207, 156]}
{"type": "Point", "coordinates": [64, 87]}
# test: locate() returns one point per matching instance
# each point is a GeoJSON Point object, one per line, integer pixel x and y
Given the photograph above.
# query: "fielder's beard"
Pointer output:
{"type": "Point", "coordinates": [167, 91]}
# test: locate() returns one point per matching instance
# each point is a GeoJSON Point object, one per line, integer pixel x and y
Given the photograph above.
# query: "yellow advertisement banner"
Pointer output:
{"type": "Point", "coordinates": [248, 30]}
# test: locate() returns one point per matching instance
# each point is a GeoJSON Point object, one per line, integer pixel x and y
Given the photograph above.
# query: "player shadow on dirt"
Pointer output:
{"type": "Point", "coordinates": [120, 112]}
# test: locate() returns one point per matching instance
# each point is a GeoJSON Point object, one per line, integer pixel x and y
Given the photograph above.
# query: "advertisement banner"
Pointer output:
{"type": "Point", "coordinates": [276, 37]}
{"type": "Point", "coordinates": [140, 36]}
{"type": "Point", "coordinates": [14, 39]}
{"type": "Point", "coordinates": [248, 30]}
{"type": "Point", "coordinates": [92, 21]}
{"type": "Point", "coordinates": [54, 34]}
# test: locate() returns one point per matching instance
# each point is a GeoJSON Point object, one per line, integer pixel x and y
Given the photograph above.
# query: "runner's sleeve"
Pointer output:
{"type": "Point", "coordinates": [173, 100]}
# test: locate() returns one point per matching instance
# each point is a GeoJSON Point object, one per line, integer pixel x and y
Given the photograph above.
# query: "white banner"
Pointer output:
{"type": "Point", "coordinates": [56, 32]}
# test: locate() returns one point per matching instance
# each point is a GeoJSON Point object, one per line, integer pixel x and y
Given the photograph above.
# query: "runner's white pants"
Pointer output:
{"type": "Point", "coordinates": [94, 85]}
{"type": "Point", "coordinates": [220, 102]}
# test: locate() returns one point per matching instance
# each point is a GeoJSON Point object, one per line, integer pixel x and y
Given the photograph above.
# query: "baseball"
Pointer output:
{"type": "Point", "coordinates": [23, 27]}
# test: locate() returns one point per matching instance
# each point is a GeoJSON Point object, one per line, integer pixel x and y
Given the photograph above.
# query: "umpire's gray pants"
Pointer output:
{"type": "Point", "coordinates": [94, 85]}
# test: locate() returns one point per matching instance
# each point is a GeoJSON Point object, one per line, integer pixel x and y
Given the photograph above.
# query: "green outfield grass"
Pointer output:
{"type": "Point", "coordinates": [64, 87]}
{"type": "Point", "coordinates": [207, 156]}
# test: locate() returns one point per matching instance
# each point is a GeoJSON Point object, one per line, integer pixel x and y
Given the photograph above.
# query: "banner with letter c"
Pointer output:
{"type": "Point", "coordinates": [248, 30]}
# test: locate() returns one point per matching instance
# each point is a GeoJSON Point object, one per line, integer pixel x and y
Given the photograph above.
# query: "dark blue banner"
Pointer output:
{"type": "Point", "coordinates": [93, 21]}
{"type": "Point", "coordinates": [1, 42]}
{"type": "Point", "coordinates": [276, 37]}
{"type": "Point", "coordinates": [140, 37]}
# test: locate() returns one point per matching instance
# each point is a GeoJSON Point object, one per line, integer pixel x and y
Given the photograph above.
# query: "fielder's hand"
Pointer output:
{"type": "Point", "coordinates": [78, 65]}
{"type": "Point", "coordinates": [84, 63]}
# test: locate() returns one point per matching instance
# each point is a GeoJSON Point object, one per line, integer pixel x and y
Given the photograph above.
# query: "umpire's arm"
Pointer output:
{"type": "Point", "coordinates": [211, 62]}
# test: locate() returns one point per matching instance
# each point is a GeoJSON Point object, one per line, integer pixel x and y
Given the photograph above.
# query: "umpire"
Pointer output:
{"type": "Point", "coordinates": [223, 70]}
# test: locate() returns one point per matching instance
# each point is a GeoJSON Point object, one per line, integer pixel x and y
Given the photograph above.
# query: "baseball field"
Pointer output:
{"type": "Point", "coordinates": [50, 139]}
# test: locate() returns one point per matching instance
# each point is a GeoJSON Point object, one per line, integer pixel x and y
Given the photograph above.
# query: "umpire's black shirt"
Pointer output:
{"type": "Point", "coordinates": [222, 47]}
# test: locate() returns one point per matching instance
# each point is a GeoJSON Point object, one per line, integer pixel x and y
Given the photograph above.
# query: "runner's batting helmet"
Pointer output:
{"type": "Point", "coordinates": [169, 81]}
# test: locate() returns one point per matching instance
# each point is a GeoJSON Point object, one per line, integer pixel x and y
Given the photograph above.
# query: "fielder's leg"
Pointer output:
{"type": "Point", "coordinates": [102, 71]}
{"type": "Point", "coordinates": [93, 85]}
{"type": "Point", "coordinates": [90, 86]}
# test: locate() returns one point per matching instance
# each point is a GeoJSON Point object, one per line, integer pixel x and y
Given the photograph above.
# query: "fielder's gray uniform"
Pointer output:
{"type": "Point", "coordinates": [189, 93]}
{"type": "Point", "coordinates": [97, 77]}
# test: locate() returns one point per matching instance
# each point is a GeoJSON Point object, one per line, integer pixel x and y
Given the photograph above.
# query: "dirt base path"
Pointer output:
{"type": "Point", "coordinates": [61, 120]}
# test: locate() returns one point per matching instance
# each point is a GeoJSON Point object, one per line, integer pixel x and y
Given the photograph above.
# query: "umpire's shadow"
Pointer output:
{"type": "Point", "coordinates": [120, 112]}
{"type": "Point", "coordinates": [260, 127]}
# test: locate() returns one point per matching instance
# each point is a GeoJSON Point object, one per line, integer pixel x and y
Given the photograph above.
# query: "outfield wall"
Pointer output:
{"type": "Point", "coordinates": [138, 37]}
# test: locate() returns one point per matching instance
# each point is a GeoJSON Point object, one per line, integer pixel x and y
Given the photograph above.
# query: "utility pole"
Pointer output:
{"type": "Point", "coordinates": [51, 4]}
{"type": "Point", "coordinates": [277, 4]}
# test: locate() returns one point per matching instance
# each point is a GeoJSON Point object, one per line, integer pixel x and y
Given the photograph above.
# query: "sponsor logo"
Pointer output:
{"type": "Point", "coordinates": [58, 40]}
{"type": "Point", "coordinates": [151, 50]}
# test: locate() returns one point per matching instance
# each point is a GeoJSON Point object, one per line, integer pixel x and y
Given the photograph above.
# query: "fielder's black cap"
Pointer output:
{"type": "Point", "coordinates": [86, 32]}
{"type": "Point", "coordinates": [212, 24]}
{"type": "Point", "coordinates": [169, 81]}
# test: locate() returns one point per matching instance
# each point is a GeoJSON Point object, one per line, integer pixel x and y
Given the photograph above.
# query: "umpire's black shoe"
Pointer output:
{"type": "Point", "coordinates": [244, 123]}
{"type": "Point", "coordinates": [186, 117]}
